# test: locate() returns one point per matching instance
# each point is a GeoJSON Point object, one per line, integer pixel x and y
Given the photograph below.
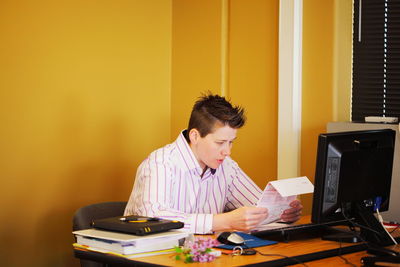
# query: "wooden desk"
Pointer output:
{"type": "Point", "coordinates": [294, 248]}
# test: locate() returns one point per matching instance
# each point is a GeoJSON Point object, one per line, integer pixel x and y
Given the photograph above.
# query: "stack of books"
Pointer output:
{"type": "Point", "coordinates": [127, 245]}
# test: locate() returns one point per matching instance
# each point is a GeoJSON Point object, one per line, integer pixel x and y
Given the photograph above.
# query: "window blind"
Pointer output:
{"type": "Point", "coordinates": [376, 59]}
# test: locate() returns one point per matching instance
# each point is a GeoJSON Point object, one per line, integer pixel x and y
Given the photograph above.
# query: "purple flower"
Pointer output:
{"type": "Point", "coordinates": [197, 250]}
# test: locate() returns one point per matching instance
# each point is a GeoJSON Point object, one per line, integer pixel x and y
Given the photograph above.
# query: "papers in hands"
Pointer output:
{"type": "Point", "coordinates": [274, 202]}
{"type": "Point", "coordinates": [279, 194]}
{"type": "Point", "coordinates": [293, 186]}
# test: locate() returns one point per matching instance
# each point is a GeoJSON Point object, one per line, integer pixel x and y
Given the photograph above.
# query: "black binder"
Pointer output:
{"type": "Point", "coordinates": [137, 225]}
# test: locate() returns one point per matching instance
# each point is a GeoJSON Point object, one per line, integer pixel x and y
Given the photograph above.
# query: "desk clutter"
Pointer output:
{"type": "Point", "coordinates": [131, 236]}
{"type": "Point", "coordinates": [128, 245]}
{"type": "Point", "coordinates": [137, 225]}
{"type": "Point", "coordinates": [249, 241]}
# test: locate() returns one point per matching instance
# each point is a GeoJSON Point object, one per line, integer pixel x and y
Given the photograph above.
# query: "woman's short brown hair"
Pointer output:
{"type": "Point", "coordinates": [210, 109]}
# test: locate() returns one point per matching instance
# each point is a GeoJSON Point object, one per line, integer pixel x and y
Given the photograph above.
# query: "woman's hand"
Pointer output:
{"type": "Point", "coordinates": [294, 213]}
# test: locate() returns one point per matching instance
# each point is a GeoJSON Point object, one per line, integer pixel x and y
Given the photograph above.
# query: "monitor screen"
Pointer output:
{"type": "Point", "coordinates": [353, 175]}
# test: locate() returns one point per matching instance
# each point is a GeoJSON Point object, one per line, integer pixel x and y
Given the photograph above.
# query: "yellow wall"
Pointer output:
{"type": "Point", "coordinates": [195, 56]}
{"type": "Point", "coordinates": [342, 60]}
{"type": "Point", "coordinates": [84, 96]}
{"type": "Point", "coordinates": [89, 88]}
{"type": "Point", "coordinates": [252, 72]}
{"type": "Point", "coordinates": [317, 82]}
{"type": "Point", "coordinates": [253, 83]}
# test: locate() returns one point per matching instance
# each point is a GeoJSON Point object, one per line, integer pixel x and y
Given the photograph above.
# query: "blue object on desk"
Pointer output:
{"type": "Point", "coordinates": [250, 241]}
{"type": "Point", "coordinates": [377, 203]}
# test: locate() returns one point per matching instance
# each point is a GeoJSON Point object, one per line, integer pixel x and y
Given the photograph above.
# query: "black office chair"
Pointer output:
{"type": "Point", "coordinates": [84, 216]}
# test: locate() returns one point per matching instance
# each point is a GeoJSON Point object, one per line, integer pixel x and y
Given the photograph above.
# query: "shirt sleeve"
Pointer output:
{"type": "Point", "coordinates": [242, 191]}
{"type": "Point", "coordinates": [151, 196]}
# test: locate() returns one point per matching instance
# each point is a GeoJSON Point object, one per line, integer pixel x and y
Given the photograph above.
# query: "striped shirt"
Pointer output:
{"type": "Point", "coordinates": [169, 185]}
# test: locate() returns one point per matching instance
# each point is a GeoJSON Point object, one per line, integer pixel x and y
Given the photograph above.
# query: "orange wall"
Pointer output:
{"type": "Point", "coordinates": [195, 56]}
{"type": "Point", "coordinates": [88, 89]}
{"type": "Point", "coordinates": [252, 72]}
{"type": "Point", "coordinates": [253, 83]}
{"type": "Point", "coordinates": [84, 96]}
{"type": "Point", "coordinates": [317, 82]}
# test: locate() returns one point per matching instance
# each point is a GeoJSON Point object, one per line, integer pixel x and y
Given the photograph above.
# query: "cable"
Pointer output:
{"type": "Point", "coordinates": [380, 261]}
{"type": "Point", "coordinates": [278, 255]}
{"type": "Point", "coordinates": [354, 233]}
{"type": "Point", "coordinates": [346, 261]}
{"type": "Point", "coordinates": [343, 258]}
{"type": "Point", "coordinates": [369, 228]}
{"type": "Point", "coordinates": [283, 256]}
{"type": "Point", "coordinates": [354, 226]}
{"type": "Point", "coordinates": [393, 230]}
{"type": "Point", "coordinates": [360, 226]}
{"type": "Point", "coordinates": [366, 228]}
{"type": "Point", "coordinates": [380, 219]}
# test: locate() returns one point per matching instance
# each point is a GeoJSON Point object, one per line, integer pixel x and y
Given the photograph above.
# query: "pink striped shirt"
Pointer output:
{"type": "Point", "coordinates": [169, 185]}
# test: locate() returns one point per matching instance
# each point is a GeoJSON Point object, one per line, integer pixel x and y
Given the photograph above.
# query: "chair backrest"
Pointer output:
{"type": "Point", "coordinates": [84, 216]}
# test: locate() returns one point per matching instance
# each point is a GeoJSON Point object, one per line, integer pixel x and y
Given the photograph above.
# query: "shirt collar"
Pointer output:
{"type": "Point", "coordinates": [212, 171]}
{"type": "Point", "coordinates": [187, 154]}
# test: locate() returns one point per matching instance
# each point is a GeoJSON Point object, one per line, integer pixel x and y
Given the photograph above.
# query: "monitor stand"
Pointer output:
{"type": "Point", "coordinates": [372, 232]}
{"type": "Point", "coordinates": [343, 236]}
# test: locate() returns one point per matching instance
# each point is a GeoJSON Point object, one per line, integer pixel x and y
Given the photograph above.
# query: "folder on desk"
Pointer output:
{"type": "Point", "coordinates": [137, 225]}
{"type": "Point", "coordinates": [250, 241]}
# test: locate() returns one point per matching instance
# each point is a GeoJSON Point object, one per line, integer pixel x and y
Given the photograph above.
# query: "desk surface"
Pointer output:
{"type": "Point", "coordinates": [291, 249]}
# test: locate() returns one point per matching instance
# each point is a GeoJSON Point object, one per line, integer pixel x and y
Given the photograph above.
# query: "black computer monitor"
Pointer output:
{"type": "Point", "coordinates": [352, 178]}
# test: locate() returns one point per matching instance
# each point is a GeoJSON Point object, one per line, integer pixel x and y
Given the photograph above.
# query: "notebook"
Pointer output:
{"type": "Point", "coordinates": [137, 225]}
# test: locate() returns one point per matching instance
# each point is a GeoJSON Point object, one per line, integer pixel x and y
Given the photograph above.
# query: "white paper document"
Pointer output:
{"type": "Point", "coordinates": [278, 194]}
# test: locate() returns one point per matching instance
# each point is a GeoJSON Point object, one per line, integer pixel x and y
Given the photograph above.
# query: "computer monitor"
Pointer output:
{"type": "Point", "coordinates": [352, 179]}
